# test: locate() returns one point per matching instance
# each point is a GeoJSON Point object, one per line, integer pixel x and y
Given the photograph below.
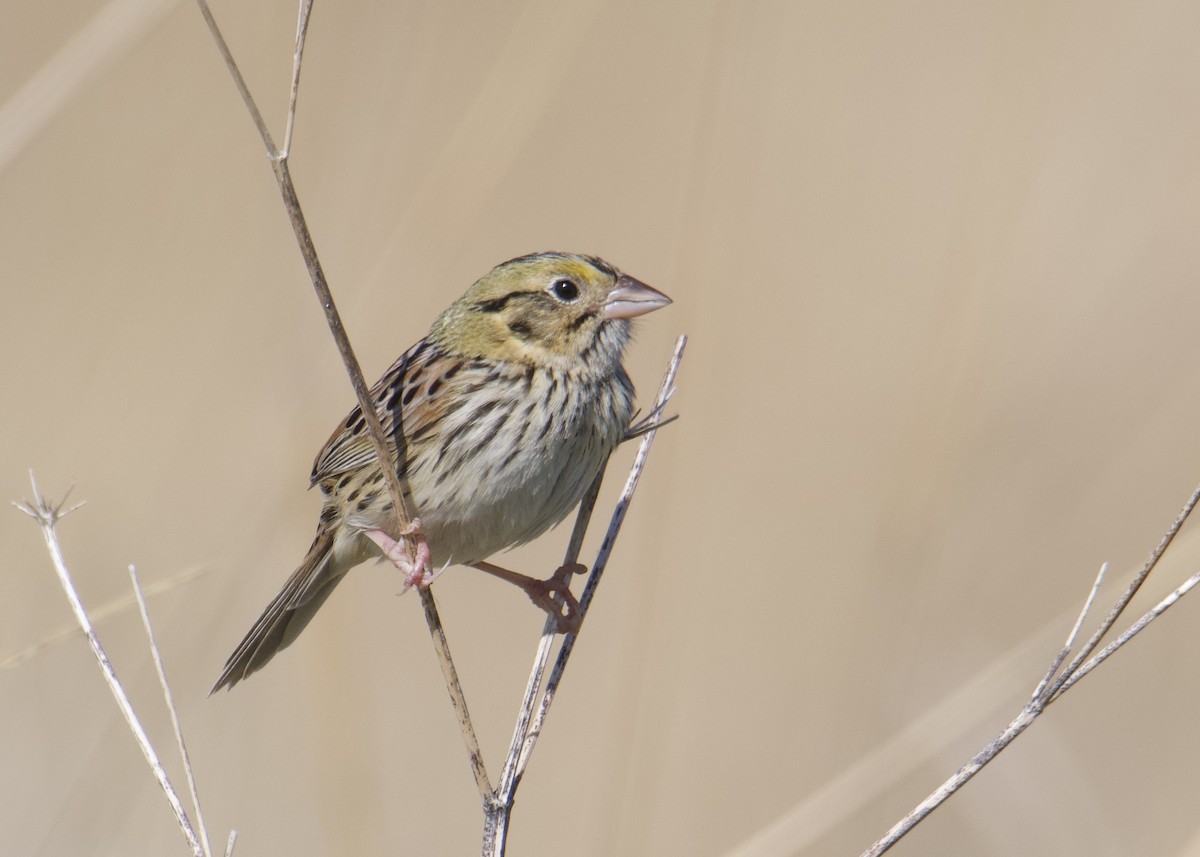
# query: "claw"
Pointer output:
{"type": "Point", "coordinates": [552, 595]}
{"type": "Point", "coordinates": [418, 572]}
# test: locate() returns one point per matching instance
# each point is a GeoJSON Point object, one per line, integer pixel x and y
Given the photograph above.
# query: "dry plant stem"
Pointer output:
{"type": "Point", "coordinates": [1037, 703]}
{"type": "Point", "coordinates": [960, 778]}
{"type": "Point", "coordinates": [397, 490]}
{"type": "Point", "coordinates": [458, 700]}
{"type": "Point", "coordinates": [546, 645]}
{"type": "Point", "coordinates": [1131, 632]}
{"type": "Point", "coordinates": [397, 486]}
{"type": "Point", "coordinates": [1050, 689]}
{"type": "Point", "coordinates": [401, 497]}
{"type": "Point", "coordinates": [1123, 601]}
{"type": "Point", "coordinates": [1065, 652]}
{"type": "Point", "coordinates": [666, 390]}
{"type": "Point", "coordinates": [230, 843]}
{"type": "Point", "coordinates": [1040, 699]}
{"type": "Point", "coordinates": [1030, 713]}
{"type": "Point", "coordinates": [47, 515]}
{"type": "Point", "coordinates": [297, 60]}
{"type": "Point", "coordinates": [498, 811]}
{"type": "Point", "coordinates": [169, 699]}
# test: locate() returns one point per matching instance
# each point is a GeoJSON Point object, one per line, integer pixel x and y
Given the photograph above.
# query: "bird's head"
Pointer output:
{"type": "Point", "coordinates": [548, 309]}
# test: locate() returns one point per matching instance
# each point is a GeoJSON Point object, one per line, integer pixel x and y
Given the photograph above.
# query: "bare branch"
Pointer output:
{"type": "Point", "coordinates": [546, 644]}
{"type": "Point", "coordinates": [169, 699]}
{"type": "Point", "coordinates": [1131, 632]}
{"type": "Point", "coordinates": [1051, 689]}
{"type": "Point", "coordinates": [960, 778]}
{"type": "Point", "coordinates": [610, 538]}
{"type": "Point", "coordinates": [398, 490]}
{"type": "Point", "coordinates": [297, 59]}
{"type": "Point", "coordinates": [401, 496]}
{"type": "Point", "coordinates": [498, 811]}
{"type": "Point", "coordinates": [1071, 637]}
{"type": "Point", "coordinates": [458, 699]}
{"type": "Point", "coordinates": [1123, 601]}
{"type": "Point", "coordinates": [47, 515]}
{"type": "Point", "coordinates": [238, 80]}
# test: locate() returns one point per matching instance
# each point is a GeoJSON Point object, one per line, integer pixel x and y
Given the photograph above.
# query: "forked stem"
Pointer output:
{"type": "Point", "coordinates": [1054, 683]}
{"type": "Point", "coordinates": [498, 813]}
{"type": "Point", "coordinates": [47, 515]}
{"type": "Point", "coordinates": [398, 490]}
{"type": "Point", "coordinates": [497, 803]}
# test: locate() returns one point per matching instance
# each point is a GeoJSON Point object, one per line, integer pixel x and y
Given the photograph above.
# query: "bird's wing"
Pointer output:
{"type": "Point", "coordinates": [398, 400]}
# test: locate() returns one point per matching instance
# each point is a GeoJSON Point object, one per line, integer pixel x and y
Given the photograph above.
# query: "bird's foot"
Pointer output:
{"type": "Point", "coordinates": [417, 571]}
{"type": "Point", "coordinates": [552, 595]}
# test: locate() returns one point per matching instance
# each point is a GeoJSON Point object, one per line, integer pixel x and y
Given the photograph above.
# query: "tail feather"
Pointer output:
{"type": "Point", "coordinates": [287, 614]}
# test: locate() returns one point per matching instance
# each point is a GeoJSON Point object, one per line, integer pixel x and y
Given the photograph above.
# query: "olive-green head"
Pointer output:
{"type": "Point", "coordinates": [547, 309]}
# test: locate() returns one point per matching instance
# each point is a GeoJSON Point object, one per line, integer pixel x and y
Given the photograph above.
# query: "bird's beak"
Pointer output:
{"type": "Point", "coordinates": [631, 298]}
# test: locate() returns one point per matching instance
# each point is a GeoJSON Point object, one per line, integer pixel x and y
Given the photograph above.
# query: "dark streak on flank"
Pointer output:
{"type": "Point", "coordinates": [508, 459]}
{"type": "Point", "coordinates": [546, 427]}
{"type": "Point", "coordinates": [495, 429]}
{"type": "Point", "coordinates": [477, 414]}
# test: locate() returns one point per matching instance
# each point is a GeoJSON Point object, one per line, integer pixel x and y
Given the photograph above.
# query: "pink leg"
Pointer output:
{"type": "Point", "coordinates": [553, 595]}
{"type": "Point", "coordinates": [418, 573]}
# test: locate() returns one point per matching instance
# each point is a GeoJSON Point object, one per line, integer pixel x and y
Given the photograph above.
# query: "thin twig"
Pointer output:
{"type": "Point", "coordinates": [963, 775]}
{"type": "Point", "coordinates": [1123, 601]}
{"type": "Point", "coordinates": [169, 699]}
{"type": "Point", "coordinates": [47, 515]}
{"type": "Point", "coordinates": [397, 485]}
{"type": "Point", "coordinates": [546, 644]}
{"type": "Point", "coordinates": [498, 811]}
{"type": "Point", "coordinates": [458, 700]}
{"type": "Point", "coordinates": [649, 424]}
{"type": "Point", "coordinates": [401, 497]}
{"type": "Point", "coordinates": [589, 590]}
{"type": "Point", "coordinates": [238, 80]}
{"type": "Point", "coordinates": [1131, 632]}
{"type": "Point", "coordinates": [398, 490]}
{"type": "Point", "coordinates": [297, 58]}
{"type": "Point", "coordinates": [1065, 652]}
{"type": "Point", "coordinates": [1050, 689]}
{"type": "Point", "coordinates": [960, 778]}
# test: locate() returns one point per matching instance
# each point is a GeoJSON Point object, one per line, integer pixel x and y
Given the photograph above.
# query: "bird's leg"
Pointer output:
{"type": "Point", "coordinates": [419, 572]}
{"type": "Point", "coordinates": [544, 592]}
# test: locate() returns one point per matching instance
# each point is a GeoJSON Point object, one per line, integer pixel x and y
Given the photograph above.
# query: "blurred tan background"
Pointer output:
{"type": "Point", "coordinates": [938, 262]}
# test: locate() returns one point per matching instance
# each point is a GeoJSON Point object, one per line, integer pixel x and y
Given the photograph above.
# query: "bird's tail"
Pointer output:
{"type": "Point", "coordinates": [287, 614]}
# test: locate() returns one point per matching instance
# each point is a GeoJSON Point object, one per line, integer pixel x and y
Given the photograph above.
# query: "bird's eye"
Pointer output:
{"type": "Point", "coordinates": [565, 290]}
